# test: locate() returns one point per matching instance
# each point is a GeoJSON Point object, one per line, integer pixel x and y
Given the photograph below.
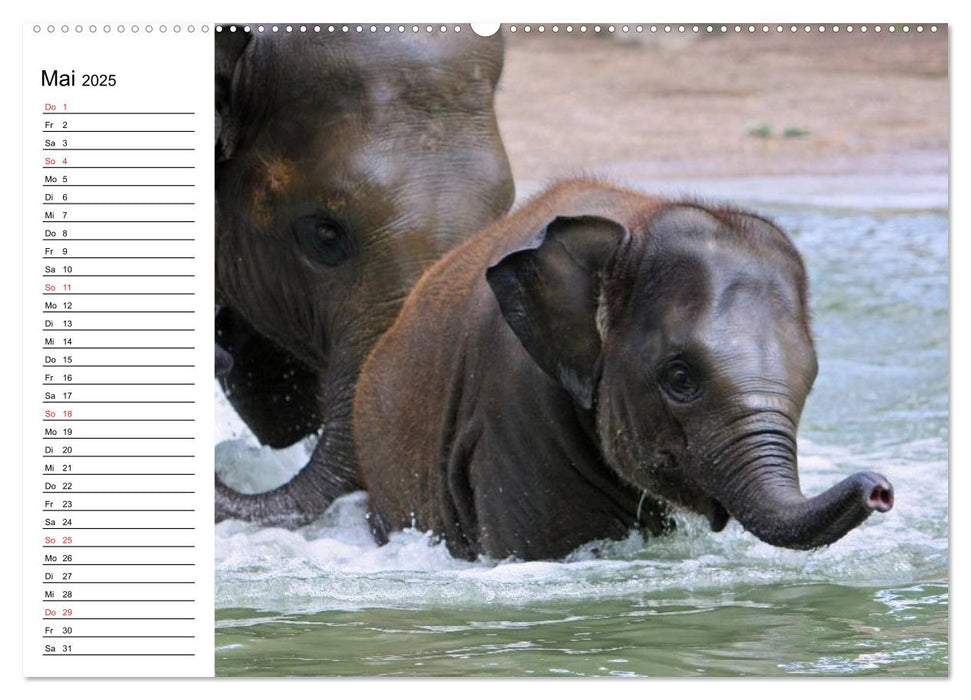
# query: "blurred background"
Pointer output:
{"type": "Point", "coordinates": [647, 106]}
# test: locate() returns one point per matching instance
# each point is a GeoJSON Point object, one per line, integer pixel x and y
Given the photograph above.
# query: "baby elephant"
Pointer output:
{"type": "Point", "coordinates": [574, 370]}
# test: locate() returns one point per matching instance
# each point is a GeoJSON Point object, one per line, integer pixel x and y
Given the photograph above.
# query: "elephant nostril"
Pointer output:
{"type": "Point", "coordinates": [880, 498]}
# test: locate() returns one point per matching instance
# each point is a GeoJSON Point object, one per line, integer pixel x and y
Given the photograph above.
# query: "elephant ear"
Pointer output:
{"type": "Point", "coordinates": [549, 294]}
{"type": "Point", "coordinates": [229, 49]}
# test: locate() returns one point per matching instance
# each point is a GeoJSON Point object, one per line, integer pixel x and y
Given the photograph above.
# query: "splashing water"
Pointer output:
{"type": "Point", "coordinates": [327, 600]}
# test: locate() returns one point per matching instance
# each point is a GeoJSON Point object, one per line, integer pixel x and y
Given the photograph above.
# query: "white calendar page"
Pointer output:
{"type": "Point", "coordinates": [123, 571]}
{"type": "Point", "coordinates": [118, 414]}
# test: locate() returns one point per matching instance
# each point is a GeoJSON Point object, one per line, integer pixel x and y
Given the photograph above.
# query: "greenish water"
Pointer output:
{"type": "Point", "coordinates": [796, 629]}
{"type": "Point", "coordinates": [327, 601]}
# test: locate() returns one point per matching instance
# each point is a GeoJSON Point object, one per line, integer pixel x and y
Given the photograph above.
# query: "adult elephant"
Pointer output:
{"type": "Point", "coordinates": [346, 163]}
{"type": "Point", "coordinates": [569, 373]}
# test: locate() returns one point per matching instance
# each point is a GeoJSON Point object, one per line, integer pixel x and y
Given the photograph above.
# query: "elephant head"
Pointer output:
{"type": "Point", "coordinates": [346, 163]}
{"type": "Point", "coordinates": [687, 334]}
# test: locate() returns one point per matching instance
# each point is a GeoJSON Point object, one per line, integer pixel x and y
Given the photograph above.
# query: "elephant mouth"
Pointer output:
{"type": "Point", "coordinates": [718, 517]}
{"type": "Point", "coordinates": [696, 500]}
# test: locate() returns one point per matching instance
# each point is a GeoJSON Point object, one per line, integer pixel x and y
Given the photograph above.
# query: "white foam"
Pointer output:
{"type": "Point", "coordinates": [335, 564]}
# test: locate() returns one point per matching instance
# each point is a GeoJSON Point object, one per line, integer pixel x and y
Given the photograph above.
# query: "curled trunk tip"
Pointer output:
{"type": "Point", "coordinates": [785, 518]}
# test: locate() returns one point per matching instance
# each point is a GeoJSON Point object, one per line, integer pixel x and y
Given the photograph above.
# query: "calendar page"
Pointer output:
{"type": "Point", "coordinates": [533, 349]}
{"type": "Point", "coordinates": [118, 407]}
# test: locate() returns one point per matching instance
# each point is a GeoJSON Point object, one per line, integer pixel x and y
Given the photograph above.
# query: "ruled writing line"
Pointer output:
{"type": "Point", "coordinates": [127, 113]}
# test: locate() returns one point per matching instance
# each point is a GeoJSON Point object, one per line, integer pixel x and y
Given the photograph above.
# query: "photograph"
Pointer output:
{"type": "Point", "coordinates": [581, 350]}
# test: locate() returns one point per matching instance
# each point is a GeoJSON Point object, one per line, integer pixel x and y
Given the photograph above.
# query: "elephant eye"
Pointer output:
{"type": "Point", "coordinates": [680, 381]}
{"type": "Point", "coordinates": [322, 239]}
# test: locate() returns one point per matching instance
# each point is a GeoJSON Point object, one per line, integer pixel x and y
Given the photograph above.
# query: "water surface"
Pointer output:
{"type": "Point", "coordinates": [326, 600]}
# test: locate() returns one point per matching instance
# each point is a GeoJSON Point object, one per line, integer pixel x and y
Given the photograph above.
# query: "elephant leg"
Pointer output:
{"type": "Point", "coordinates": [274, 393]}
{"type": "Point", "coordinates": [330, 473]}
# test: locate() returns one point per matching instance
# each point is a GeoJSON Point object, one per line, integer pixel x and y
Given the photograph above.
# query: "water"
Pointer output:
{"type": "Point", "coordinates": [326, 600]}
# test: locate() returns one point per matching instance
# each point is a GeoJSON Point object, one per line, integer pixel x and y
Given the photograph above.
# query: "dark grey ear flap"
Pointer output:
{"type": "Point", "coordinates": [229, 48]}
{"type": "Point", "coordinates": [549, 295]}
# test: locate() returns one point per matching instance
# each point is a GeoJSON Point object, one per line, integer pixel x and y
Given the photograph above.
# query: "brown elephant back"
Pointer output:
{"type": "Point", "coordinates": [412, 384]}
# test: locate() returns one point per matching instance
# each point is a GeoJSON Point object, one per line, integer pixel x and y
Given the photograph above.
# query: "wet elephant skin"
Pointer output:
{"type": "Point", "coordinates": [346, 165]}
{"type": "Point", "coordinates": [590, 362]}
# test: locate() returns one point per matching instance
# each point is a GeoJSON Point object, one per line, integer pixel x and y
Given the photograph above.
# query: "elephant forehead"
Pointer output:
{"type": "Point", "coordinates": [271, 177]}
{"type": "Point", "coordinates": [384, 93]}
{"type": "Point", "coordinates": [761, 337]}
{"type": "Point", "coordinates": [739, 277]}
{"type": "Point", "coordinates": [725, 298]}
{"type": "Point", "coordinates": [278, 174]}
{"type": "Point", "coordinates": [270, 171]}
{"type": "Point", "coordinates": [754, 306]}
{"type": "Point", "coordinates": [754, 290]}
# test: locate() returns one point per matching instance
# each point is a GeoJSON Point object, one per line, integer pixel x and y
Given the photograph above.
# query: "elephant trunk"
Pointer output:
{"type": "Point", "coordinates": [297, 502]}
{"type": "Point", "coordinates": [762, 493]}
{"type": "Point", "coordinates": [329, 474]}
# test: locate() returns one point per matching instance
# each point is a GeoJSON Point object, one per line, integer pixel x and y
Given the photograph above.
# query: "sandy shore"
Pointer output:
{"type": "Point", "coordinates": [719, 106]}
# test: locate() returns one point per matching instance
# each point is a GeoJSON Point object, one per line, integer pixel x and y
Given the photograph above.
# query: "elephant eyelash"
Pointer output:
{"type": "Point", "coordinates": [681, 394]}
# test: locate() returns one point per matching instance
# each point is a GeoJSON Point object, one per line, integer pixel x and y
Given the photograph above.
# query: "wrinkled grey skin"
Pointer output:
{"type": "Point", "coordinates": [590, 361]}
{"type": "Point", "coordinates": [345, 165]}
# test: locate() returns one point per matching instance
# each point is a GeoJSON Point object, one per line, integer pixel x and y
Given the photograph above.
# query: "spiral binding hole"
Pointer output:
{"type": "Point", "coordinates": [599, 29]}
